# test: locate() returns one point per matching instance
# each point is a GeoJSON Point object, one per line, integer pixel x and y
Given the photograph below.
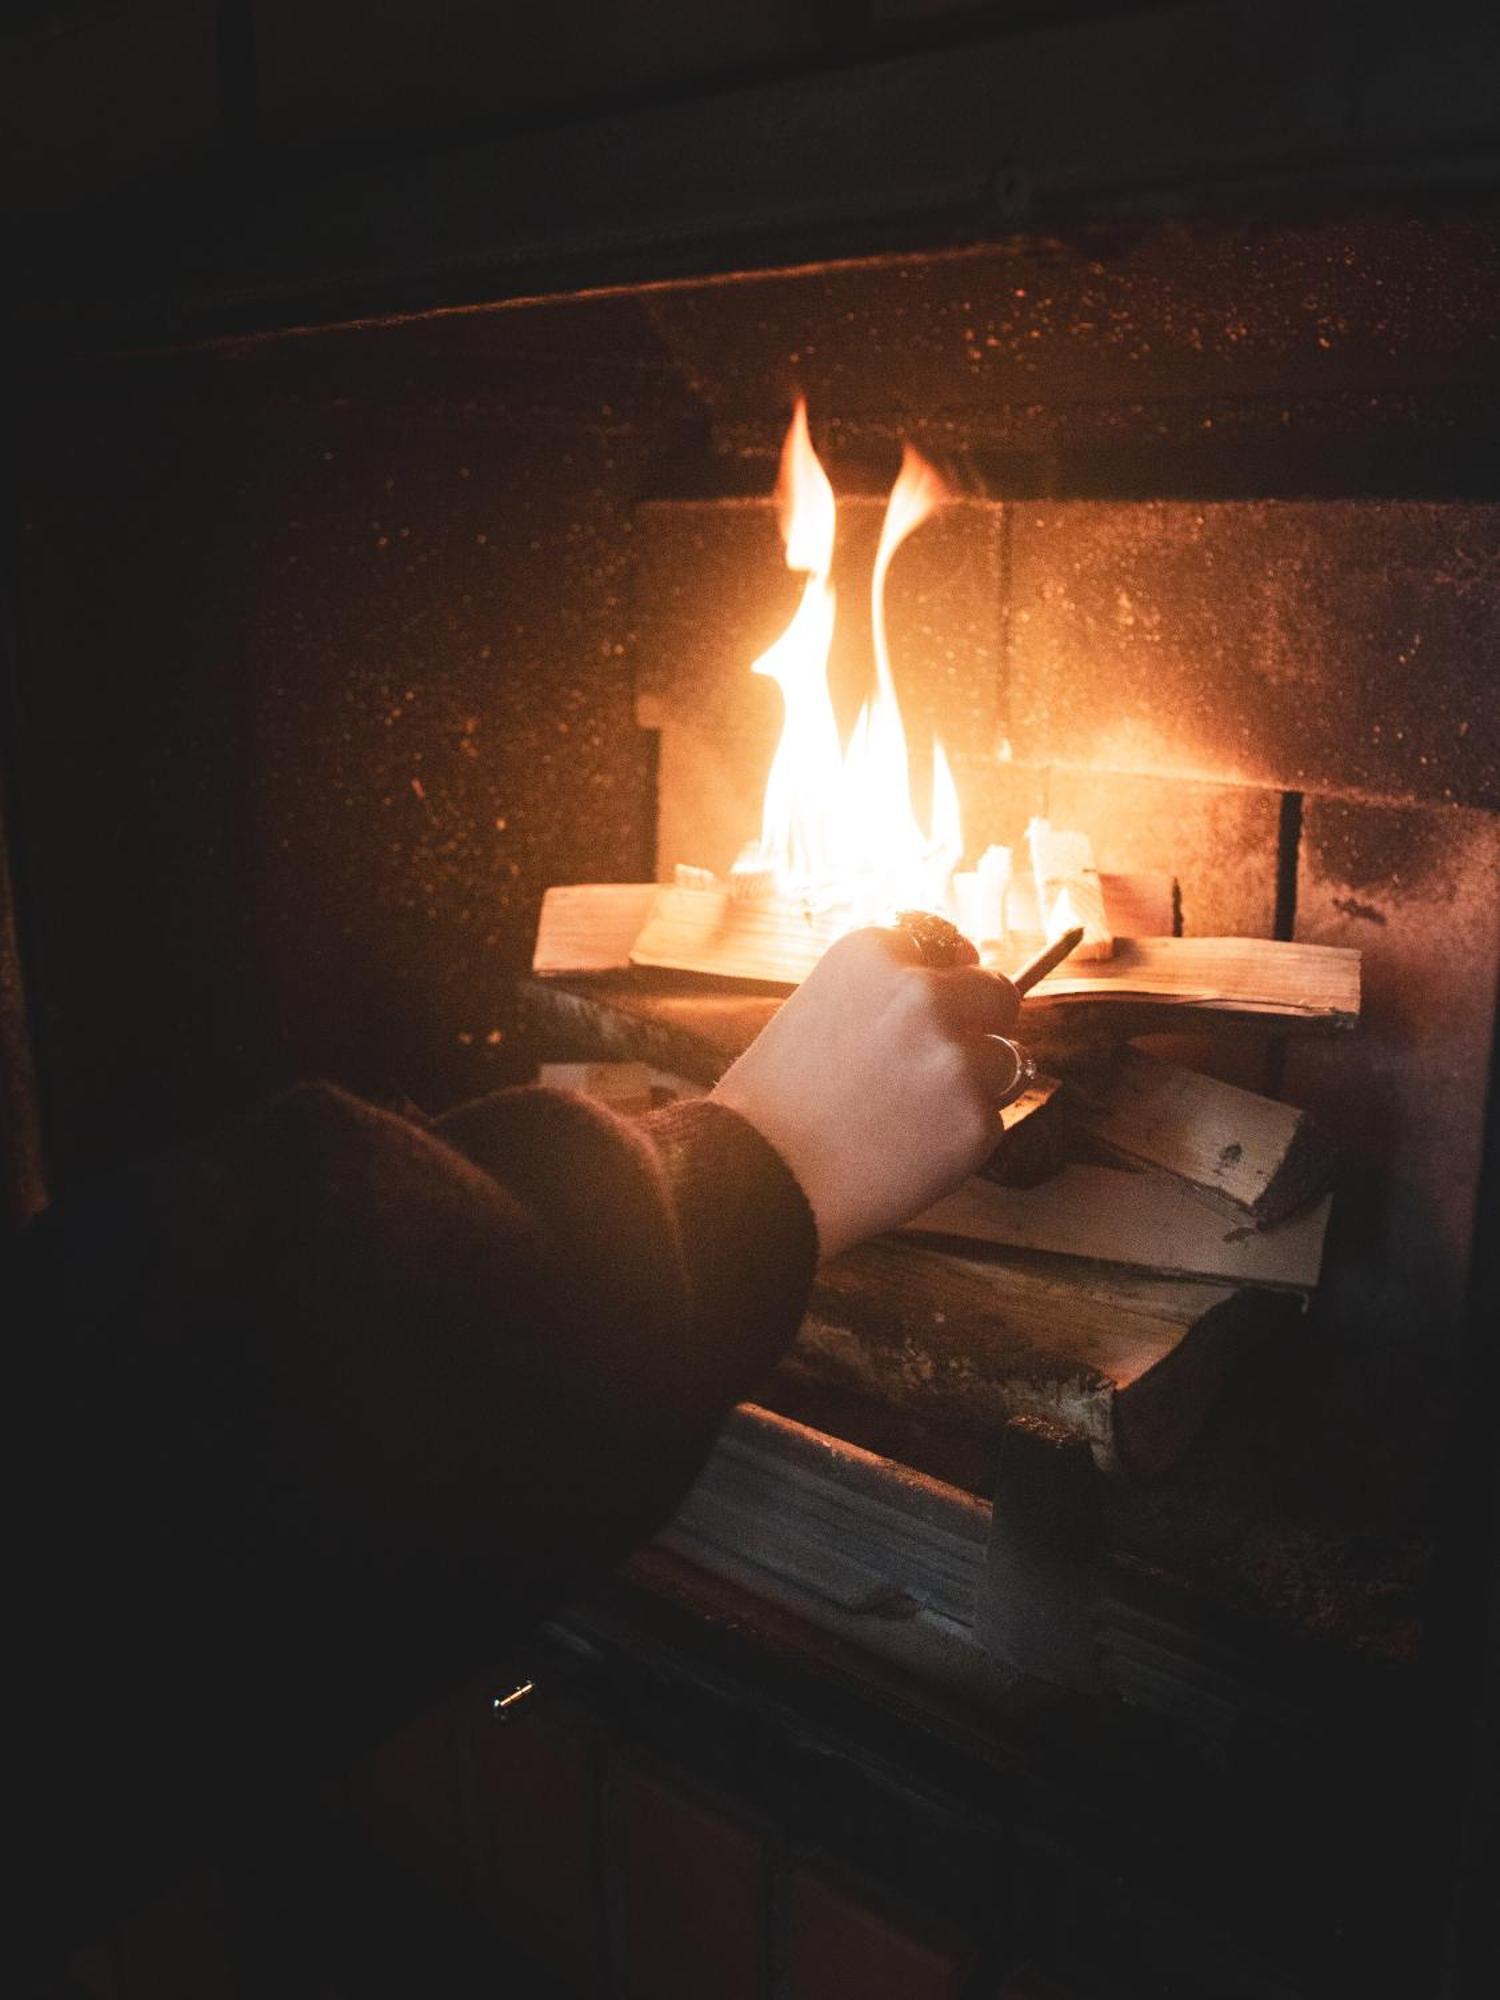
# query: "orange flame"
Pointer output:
{"type": "Point", "coordinates": [838, 828]}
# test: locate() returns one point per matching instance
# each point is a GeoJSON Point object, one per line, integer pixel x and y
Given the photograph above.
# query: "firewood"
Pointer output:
{"type": "Point", "coordinates": [1145, 1221]}
{"type": "Point", "coordinates": [1286, 985]}
{"type": "Point", "coordinates": [1130, 1363]}
{"type": "Point", "coordinates": [590, 926]}
{"type": "Point", "coordinates": [1241, 1152]}
{"type": "Point", "coordinates": [1290, 987]}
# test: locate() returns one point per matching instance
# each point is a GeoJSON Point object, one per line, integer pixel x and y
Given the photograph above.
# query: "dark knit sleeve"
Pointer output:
{"type": "Point", "coordinates": [317, 1416]}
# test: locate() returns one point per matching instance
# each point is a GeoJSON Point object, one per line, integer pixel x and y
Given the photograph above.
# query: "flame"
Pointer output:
{"type": "Point", "coordinates": [838, 828]}
{"type": "Point", "coordinates": [1064, 915]}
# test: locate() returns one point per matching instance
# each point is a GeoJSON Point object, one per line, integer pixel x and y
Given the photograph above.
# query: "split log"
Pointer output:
{"type": "Point", "coordinates": [1241, 1152]}
{"type": "Point", "coordinates": [1144, 1221]}
{"type": "Point", "coordinates": [1130, 1363]}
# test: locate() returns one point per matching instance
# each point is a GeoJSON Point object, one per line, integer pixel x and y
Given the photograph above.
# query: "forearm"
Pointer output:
{"type": "Point", "coordinates": [323, 1412]}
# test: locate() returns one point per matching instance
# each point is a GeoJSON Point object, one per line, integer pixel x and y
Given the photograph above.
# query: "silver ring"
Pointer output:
{"type": "Point", "coordinates": [1025, 1076]}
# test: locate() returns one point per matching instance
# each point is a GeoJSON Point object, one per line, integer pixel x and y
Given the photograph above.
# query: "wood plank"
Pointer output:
{"type": "Point", "coordinates": [1146, 1221]}
{"type": "Point", "coordinates": [1129, 1362]}
{"type": "Point", "coordinates": [1287, 985]}
{"type": "Point", "coordinates": [1255, 979]}
{"type": "Point", "coordinates": [763, 938]}
{"type": "Point", "coordinates": [590, 926]}
{"type": "Point", "coordinates": [1235, 1149]}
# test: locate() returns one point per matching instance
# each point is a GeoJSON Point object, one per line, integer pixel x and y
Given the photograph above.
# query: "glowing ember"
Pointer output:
{"type": "Point", "coordinates": [838, 828]}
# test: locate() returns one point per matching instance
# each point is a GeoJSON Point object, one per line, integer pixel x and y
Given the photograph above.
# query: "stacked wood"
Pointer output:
{"type": "Point", "coordinates": [1139, 1221]}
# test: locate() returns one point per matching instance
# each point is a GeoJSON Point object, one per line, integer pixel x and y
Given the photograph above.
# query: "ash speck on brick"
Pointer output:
{"type": "Point", "coordinates": [1350, 906]}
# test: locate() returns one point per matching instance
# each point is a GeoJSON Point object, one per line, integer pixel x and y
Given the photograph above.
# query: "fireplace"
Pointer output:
{"type": "Point", "coordinates": [386, 599]}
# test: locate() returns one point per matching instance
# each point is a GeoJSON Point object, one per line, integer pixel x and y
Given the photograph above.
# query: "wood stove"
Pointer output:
{"type": "Point", "coordinates": [387, 555]}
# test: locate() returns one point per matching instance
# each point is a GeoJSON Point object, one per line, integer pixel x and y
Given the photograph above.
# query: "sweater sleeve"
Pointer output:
{"type": "Point", "coordinates": [322, 1413]}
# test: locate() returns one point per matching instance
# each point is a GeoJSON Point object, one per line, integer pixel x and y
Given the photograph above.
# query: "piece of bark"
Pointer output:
{"type": "Point", "coordinates": [1130, 1363]}
{"type": "Point", "coordinates": [1144, 1221]}
{"type": "Point", "coordinates": [1243, 1153]}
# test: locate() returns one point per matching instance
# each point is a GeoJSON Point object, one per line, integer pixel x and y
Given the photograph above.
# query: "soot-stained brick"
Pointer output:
{"type": "Point", "coordinates": [1324, 646]}
{"type": "Point", "coordinates": [1218, 841]}
{"type": "Point", "coordinates": [323, 691]}
{"type": "Point", "coordinates": [1414, 891]}
{"type": "Point", "coordinates": [1229, 359]}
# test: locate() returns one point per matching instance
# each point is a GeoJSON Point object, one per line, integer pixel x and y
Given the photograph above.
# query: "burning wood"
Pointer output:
{"type": "Point", "coordinates": [1130, 1166]}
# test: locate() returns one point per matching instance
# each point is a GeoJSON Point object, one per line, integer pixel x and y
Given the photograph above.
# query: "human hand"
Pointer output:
{"type": "Point", "coordinates": [879, 1082]}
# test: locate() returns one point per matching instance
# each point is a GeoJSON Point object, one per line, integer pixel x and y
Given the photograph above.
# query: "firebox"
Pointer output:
{"type": "Point", "coordinates": [368, 604]}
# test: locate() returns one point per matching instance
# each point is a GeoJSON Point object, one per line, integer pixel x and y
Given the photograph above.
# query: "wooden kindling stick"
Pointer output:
{"type": "Point", "coordinates": [1046, 960]}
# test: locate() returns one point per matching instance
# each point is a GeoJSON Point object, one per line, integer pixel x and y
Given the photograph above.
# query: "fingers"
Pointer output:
{"type": "Point", "coordinates": [974, 1002]}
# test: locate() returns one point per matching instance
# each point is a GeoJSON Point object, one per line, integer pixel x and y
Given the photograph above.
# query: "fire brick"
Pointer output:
{"type": "Point", "coordinates": [1219, 841]}
{"type": "Point", "coordinates": [1058, 367]}
{"type": "Point", "coordinates": [537, 1809]}
{"type": "Point", "coordinates": [842, 1945]}
{"type": "Point", "coordinates": [694, 1897]}
{"type": "Point", "coordinates": [1324, 646]}
{"type": "Point", "coordinates": [1414, 890]}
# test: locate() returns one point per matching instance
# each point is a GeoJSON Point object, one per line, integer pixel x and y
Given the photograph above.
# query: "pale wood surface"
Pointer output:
{"type": "Point", "coordinates": [1146, 1221]}
{"type": "Point", "coordinates": [590, 926]}
{"type": "Point", "coordinates": [1252, 978]}
{"type": "Point", "coordinates": [1236, 1149]}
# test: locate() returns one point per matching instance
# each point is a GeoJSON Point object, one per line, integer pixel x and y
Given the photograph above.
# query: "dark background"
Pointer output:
{"type": "Point", "coordinates": [322, 623]}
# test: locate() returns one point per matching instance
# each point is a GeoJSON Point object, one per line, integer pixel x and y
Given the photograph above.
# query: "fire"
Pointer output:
{"type": "Point", "coordinates": [838, 827]}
